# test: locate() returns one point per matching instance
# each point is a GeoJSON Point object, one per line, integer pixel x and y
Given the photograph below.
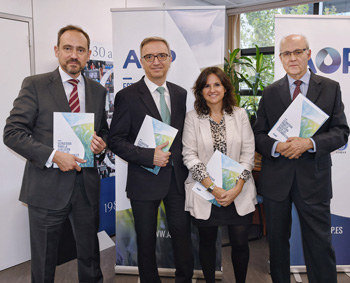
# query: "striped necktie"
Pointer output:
{"type": "Point", "coordinates": [74, 98]}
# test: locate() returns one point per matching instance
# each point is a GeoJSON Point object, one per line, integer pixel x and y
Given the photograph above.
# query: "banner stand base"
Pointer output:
{"type": "Point", "coordinates": [163, 272]}
{"type": "Point", "coordinates": [297, 277]}
{"type": "Point", "coordinates": [296, 269]}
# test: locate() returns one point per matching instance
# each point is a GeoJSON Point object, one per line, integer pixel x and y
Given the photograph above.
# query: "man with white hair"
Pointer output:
{"type": "Point", "coordinates": [299, 170]}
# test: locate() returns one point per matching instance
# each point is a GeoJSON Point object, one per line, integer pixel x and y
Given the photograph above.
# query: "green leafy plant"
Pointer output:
{"type": "Point", "coordinates": [232, 69]}
{"type": "Point", "coordinates": [243, 70]}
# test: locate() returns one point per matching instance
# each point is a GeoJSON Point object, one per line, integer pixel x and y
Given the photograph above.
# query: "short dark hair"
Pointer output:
{"type": "Point", "coordinates": [75, 28]}
{"type": "Point", "coordinates": [200, 105]}
{"type": "Point", "coordinates": [152, 39]}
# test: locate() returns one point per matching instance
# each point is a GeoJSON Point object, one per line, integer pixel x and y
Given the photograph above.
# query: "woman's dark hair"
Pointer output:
{"type": "Point", "coordinates": [200, 105]}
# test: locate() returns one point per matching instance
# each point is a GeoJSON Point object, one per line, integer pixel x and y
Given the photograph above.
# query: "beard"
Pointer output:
{"type": "Point", "coordinates": [73, 69]}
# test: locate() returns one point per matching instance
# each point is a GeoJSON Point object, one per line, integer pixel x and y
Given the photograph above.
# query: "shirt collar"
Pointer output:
{"type": "Point", "coordinates": [153, 87]}
{"type": "Point", "coordinates": [207, 116]}
{"type": "Point", "coordinates": [305, 79]}
{"type": "Point", "coordinates": [65, 77]}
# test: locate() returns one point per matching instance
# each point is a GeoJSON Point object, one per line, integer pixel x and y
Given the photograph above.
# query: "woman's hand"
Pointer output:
{"type": "Point", "coordinates": [227, 197]}
{"type": "Point", "coordinates": [218, 192]}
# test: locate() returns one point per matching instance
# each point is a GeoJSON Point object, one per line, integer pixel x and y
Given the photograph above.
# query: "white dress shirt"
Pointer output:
{"type": "Point", "coordinates": [155, 94]}
{"type": "Point", "coordinates": [68, 90]}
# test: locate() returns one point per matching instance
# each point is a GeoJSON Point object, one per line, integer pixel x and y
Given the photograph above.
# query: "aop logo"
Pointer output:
{"type": "Point", "coordinates": [343, 147]}
{"type": "Point", "coordinates": [335, 57]}
{"type": "Point", "coordinates": [132, 58]}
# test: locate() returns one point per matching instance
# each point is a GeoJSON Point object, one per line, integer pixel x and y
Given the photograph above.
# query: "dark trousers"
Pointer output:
{"type": "Point", "coordinates": [315, 224]}
{"type": "Point", "coordinates": [145, 216]}
{"type": "Point", "coordinates": [45, 231]}
{"type": "Point", "coordinates": [238, 235]}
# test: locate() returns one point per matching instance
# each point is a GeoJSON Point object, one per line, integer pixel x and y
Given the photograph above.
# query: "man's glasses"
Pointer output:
{"type": "Point", "coordinates": [296, 53]}
{"type": "Point", "coordinates": [151, 57]}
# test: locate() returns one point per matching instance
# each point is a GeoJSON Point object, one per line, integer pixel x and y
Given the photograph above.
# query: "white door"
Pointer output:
{"type": "Point", "coordinates": [15, 66]}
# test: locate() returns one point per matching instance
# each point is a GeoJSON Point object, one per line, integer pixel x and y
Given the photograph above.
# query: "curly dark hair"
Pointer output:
{"type": "Point", "coordinates": [200, 105]}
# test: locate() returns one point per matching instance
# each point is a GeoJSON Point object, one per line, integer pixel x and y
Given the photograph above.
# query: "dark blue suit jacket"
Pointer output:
{"type": "Point", "coordinates": [312, 170]}
{"type": "Point", "coordinates": [131, 106]}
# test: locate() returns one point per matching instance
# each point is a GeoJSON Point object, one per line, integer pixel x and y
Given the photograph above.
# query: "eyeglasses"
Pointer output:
{"type": "Point", "coordinates": [151, 57]}
{"type": "Point", "coordinates": [296, 53]}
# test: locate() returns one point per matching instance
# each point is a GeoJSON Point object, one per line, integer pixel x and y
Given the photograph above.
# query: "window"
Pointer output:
{"type": "Point", "coordinates": [258, 28]}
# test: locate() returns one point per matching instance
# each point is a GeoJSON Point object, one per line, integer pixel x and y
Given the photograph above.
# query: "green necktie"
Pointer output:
{"type": "Point", "coordinates": [164, 110]}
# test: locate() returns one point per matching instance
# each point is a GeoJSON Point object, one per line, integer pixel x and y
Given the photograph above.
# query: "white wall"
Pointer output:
{"type": "Point", "coordinates": [48, 17]}
{"type": "Point", "coordinates": [13, 214]}
{"type": "Point", "coordinates": [93, 16]}
{"type": "Point", "coordinates": [16, 7]}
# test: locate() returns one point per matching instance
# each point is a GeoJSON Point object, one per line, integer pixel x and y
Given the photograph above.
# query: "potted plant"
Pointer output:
{"type": "Point", "coordinates": [243, 70]}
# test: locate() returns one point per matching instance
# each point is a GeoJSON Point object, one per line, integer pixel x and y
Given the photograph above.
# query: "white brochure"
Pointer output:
{"type": "Point", "coordinates": [301, 119]}
{"type": "Point", "coordinates": [72, 133]}
{"type": "Point", "coordinates": [223, 172]}
{"type": "Point", "coordinates": [153, 133]}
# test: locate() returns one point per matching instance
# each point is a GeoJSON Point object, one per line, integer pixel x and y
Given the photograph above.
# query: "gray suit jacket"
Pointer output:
{"type": "Point", "coordinates": [29, 132]}
{"type": "Point", "coordinates": [312, 170]}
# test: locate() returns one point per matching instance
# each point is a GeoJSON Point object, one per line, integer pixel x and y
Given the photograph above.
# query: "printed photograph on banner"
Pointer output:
{"type": "Point", "coordinates": [102, 72]}
{"type": "Point", "coordinates": [126, 248]}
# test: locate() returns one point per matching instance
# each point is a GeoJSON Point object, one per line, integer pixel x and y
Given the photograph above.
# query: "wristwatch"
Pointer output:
{"type": "Point", "coordinates": [211, 188]}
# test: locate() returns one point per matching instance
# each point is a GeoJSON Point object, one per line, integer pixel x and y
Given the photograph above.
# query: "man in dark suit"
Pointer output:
{"type": "Point", "coordinates": [299, 170]}
{"type": "Point", "coordinates": [144, 188]}
{"type": "Point", "coordinates": [55, 194]}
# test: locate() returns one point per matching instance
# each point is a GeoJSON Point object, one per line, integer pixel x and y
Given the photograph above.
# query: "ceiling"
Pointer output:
{"type": "Point", "coordinates": [242, 6]}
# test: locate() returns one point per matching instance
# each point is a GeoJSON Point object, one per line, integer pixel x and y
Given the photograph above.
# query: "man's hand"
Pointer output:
{"type": "Point", "coordinates": [161, 158]}
{"type": "Point", "coordinates": [294, 147]}
{"type": "Point", "coordinates": [97, 144]}
{"type": "Point", "coordinates": [66, 161]}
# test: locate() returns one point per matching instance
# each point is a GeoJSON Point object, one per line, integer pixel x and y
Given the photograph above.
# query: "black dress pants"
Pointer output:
{"type": "Point", "coordinates": [145, 216]}
{"type": "Point", "coordinates": [315, 224]}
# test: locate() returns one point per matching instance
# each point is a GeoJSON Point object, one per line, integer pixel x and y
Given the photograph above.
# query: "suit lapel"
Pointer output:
{"type": "Point", "coordinates": [148, 100]}
{"type": "Point", "coordinates": [285, 92]}
{"type": "Point", "coordinates": [173, 102]}
{"type": "Point", "coordinates": [314, 89]}
{"type": "Point", "coordinates": [89, 99]}
{"type": "Point", "coordinates": [57, 92]}
{"type": "Point", "coordinates": [231, 130]}
{"type": "Point", "coordinates": [204, 127]}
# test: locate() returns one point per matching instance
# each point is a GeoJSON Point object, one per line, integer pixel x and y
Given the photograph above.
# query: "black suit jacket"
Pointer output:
{"type": "Point", "coordinates": [29, 132]}
{"type": "Point", "coordinates": [312, 170]}
{"type": "Point", "coordinates": [131, 106]}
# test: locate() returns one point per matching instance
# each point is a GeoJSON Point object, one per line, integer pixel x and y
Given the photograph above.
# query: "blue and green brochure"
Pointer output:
{"type": "Point", "coordinates": [301, 119]}
{"type": "Point", "coordinates": [154, 133]}
{"type": "Point", "coordinates": [223, 171]}
{"type": "Point", "coordinates": [73, 133]}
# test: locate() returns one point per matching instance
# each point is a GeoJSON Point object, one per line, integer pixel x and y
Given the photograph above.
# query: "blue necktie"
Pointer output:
{"type": "Point", "coordinates": [164, 110]}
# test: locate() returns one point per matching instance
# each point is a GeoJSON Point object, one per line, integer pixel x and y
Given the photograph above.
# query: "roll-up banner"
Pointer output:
{"type": "Point", "coordinates": [197, 40]}
{"type": "Point", "coordinates": [330, 49]}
